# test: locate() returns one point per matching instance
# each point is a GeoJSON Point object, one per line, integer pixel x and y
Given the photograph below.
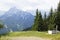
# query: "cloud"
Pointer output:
{"type": "Point", "coordinates": [28, 4]}
{"type": "Point", "coordinates": [6, 4]}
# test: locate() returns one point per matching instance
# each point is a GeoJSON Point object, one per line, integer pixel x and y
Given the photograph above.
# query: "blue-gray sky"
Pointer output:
{"type": "Point", "coordinates": [5, 5]}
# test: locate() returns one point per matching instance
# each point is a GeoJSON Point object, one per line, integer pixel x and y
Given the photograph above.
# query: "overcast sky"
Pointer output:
{"type": "Point", "coordinates": [5, 5]}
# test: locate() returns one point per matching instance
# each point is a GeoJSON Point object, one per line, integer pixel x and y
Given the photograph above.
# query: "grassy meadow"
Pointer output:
{"type": "Point", "coordinates": [31, 33]}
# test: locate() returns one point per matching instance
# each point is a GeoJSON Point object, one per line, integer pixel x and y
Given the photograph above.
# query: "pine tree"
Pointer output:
{"type": "Point", "coordinates": [35, 25]}
{"type": "Point", "coordinates": [40, 22]}
{"type": "Point", "coordinates": [51, 21]}
{"type": "Point", "coordinates": [45, 16]}
{"type": "Point", "coordinates": [57, 20]}
{"type": "Point", "coordinates": [45, 22]}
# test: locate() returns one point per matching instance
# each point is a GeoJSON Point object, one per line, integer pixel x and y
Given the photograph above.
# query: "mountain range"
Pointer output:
{"type": "Point", "coordinates": [16, 20]}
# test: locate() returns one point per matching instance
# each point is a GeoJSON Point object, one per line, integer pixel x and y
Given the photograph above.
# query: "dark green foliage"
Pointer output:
{"type": "Point", "coordinates": [35, 25]}
{"type": "Point", "coordinates": [1, 25]}
{"type": "Point", "coordinates": [38, 23]}
{"type": "Point", "coordinates": [41, 24]}
{"type": "Point", "coordinates": [57, 20]}
{"type": "Point", "coordinates": [51, 20]}
{"type": "Point", "coordinates": [45, 24]}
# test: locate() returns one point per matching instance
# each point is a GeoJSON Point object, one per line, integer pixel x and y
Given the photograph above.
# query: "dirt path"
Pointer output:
{"type": "Point", "coordinates": [27, 38]}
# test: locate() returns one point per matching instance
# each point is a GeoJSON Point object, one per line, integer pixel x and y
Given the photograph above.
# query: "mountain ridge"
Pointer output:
{"type": "Point", "coordinates": [17, 20]}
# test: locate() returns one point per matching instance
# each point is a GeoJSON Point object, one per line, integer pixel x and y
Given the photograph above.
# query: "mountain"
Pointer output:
{"type": "Point", "coordinates": [33, 12]}
{"type": "Point", "coordinates": [17, 20]}
{"type": "Point", "coordinates": [1, 13]}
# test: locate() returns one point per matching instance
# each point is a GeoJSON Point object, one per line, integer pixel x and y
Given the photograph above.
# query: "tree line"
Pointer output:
{"type": "Point", "coordinates": [48, 22]}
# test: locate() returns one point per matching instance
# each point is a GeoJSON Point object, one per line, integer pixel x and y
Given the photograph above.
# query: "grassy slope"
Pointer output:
{"type": "Point", "coordinates": [33, 33]}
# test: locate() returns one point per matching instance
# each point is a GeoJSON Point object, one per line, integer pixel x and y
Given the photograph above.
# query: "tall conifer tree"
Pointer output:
{"type": "Point", "coordinates": [57, 20]}
{"type": "Point", "coordinates": [51, 20]}
{"type": "Point", "coordinates": [40, 22]}
{"type": "Point", "coordinates": [35, 25]}
{"type": "Point", "coordinates": [45, 22]}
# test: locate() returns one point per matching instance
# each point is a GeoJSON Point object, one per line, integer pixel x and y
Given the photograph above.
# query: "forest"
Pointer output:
{"type": "Point", "coordinates": [47, 22]}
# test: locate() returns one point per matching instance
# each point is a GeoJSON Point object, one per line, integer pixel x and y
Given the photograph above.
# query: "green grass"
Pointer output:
{"type": "Point", "coordinates": [33, 33]}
